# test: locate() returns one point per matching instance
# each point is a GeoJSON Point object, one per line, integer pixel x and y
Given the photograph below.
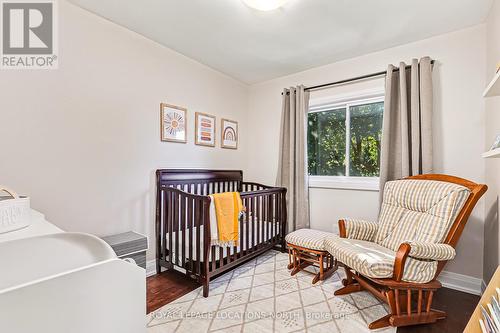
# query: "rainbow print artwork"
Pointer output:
{"type": "Point", "coordinates": [229, 134]}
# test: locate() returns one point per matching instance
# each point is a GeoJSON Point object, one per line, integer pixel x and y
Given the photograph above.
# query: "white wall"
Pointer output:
{"type": "Point", "coordinates": [491, 228]}
{"type": "Point", "coordinates": [83, 141]}
{"type": "Point", "coordinates": [458, 128]}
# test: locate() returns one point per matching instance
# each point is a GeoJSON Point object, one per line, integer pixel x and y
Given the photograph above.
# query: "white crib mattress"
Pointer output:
{"type": "Point", "coordinates": [265, 235]}
{"type": "Point", "coordinates": [38, 227]}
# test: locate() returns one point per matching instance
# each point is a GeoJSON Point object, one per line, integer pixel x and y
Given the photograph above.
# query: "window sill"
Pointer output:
{"type": "Point", "coordinates": [345, 183]}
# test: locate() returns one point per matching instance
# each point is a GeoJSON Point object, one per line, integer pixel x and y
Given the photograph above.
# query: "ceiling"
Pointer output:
{"type": "Point", "coordinates": [253, 46]}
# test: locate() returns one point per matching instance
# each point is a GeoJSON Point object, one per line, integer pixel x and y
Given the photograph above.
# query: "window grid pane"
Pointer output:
{"type": "Point", "coordinates": [345, 141]}
{"type": "Point", "coordinates": [326, 142]}
{"type": "Point", "coordinates": [365, 137]}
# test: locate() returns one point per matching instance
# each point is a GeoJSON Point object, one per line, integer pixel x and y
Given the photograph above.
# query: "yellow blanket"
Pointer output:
{"type": "Point", "coordinates": [228, 207]}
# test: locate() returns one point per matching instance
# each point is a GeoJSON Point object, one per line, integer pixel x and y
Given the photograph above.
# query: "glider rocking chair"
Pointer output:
{"type": "Point", "coordinates": [399, 258]}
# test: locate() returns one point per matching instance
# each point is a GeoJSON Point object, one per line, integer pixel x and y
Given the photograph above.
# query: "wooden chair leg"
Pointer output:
{"type": "Point", "coordinates": [349, 279]}
{"type": "Point", "coordinates": [291, 263]}
{"type": "Point", "coordinates": [350, 285]}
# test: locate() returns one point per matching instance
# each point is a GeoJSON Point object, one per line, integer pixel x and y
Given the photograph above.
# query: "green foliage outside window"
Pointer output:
{"type": "Point", "coordinates": [327, 141]}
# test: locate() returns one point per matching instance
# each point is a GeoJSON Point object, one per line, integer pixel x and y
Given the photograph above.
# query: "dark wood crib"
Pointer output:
{"type": "Point", "coordinates": [183, 224]}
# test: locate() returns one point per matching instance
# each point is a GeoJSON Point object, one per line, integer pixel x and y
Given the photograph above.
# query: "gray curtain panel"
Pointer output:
{"type": "Point", "coordinates": [292, 163]}
{"type": "Point", "coordinates": [407, 126]}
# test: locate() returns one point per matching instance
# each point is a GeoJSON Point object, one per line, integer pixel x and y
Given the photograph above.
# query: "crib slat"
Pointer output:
{"type": "Point", "coordinates": [164, 221]}
{"type": "Point", "coordinates": [221, 256]}
{"type": "Point", "coordinates": [245, 203]}
{"type": "Point", "coordinates": [191, 227]}
{"type": "Point", "coordinates": [197, 217]}
{"type": "Point", "coordinates": [247, 227]}
{"type": "Point", "coordinates": [170, 227]}
{"type": "Point", "coordinates": [265, 212]}
{"type": "Point", "coordinates": [277, 213]}
{"type": "Point", "coordinates": [177, 199]}
{"type": "Point", "coordinates": [183, 228]}
{"type": "Point", "coordinates": [212, 249]}
{"type": "Point", "coordinates": [256, 216]}
{"type": "Point", "coordinates": [259, 220]}
{"type": "Point", "coordinates": [275, 216]}
{"type": "Point", "coordinates": [206, 241]}
{"type": "Point", "coordinates": [269, 217]}
{"type": "Point", "coordinates": [272, 210]}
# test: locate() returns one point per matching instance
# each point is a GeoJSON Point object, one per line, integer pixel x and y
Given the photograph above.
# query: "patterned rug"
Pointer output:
{"type": "Point", "coordinates": [261, 296]}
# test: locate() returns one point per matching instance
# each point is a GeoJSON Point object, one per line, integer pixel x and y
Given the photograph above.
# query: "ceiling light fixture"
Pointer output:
{"type": "Point", "coordinates": [265, 5]}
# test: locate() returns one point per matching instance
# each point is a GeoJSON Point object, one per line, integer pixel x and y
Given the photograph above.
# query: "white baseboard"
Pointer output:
{"type": "Point", "coordinates": [150, 267]}
{"type": "Point", "coordinates": [460, 282]}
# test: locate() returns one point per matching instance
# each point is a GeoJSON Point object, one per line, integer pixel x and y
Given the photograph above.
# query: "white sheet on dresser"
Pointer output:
{"type": "Point", "coordinates": [265, 234]}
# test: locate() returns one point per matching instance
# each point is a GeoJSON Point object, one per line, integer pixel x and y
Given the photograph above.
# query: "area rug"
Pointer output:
{"type": "Point", "coordinates": [261, 296]}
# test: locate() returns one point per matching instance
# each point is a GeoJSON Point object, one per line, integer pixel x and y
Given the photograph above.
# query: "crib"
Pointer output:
{"type": "Point", "coordinates": [183, 225]}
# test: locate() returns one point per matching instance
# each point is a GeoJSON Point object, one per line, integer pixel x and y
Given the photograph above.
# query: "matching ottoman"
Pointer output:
{"type": "Point", "coordinates": [305, 248]}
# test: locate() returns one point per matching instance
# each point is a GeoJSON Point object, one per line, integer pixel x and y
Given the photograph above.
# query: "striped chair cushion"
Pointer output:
{"type": "Point", "coordinates": [308, 238]}
{"type": "Point", "coordinates": [360, 229]}
{"type": "Point", "coordinates": [431, 251]}
{"type": "Point", "coordinates": [376, 261]}
{"type": "Point", "coordinates": [418, 210]}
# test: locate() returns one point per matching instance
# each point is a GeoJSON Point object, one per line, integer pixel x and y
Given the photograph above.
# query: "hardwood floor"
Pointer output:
{"type": "Point", "coordinates": [168, 286]}
{"type": "Point", "coordinates": [165, 287]}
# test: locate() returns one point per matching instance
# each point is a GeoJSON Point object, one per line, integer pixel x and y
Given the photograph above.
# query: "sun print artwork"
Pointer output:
{"type": "Point", "coordinates": [173, 123]}
{"type": "Point", "coordinates": [205, 129]}
{"type": "Point", "coordinates": [229, 137]}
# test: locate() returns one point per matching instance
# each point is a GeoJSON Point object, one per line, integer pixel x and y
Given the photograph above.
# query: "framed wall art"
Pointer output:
{"type": "Point", "coordinates": [229, 134]}
{"type": "Point", "coordinates": [173, 123]}
{"type": "Point", "coordinates": [205, 129]}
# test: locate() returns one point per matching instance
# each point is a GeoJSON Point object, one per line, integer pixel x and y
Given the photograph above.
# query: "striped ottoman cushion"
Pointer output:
{"type": "Point", "coordinates": [308, 238]}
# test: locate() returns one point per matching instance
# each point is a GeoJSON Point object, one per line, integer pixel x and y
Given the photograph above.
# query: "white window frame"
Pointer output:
{"type": "Point", "coordinates": [345, 101]}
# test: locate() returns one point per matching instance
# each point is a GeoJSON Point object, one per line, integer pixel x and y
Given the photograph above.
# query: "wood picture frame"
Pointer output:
{"type": "Point", "coordinates": [229, 134]}
{"type": "Point", "coordinates": [173, 123]}
{"type": "Point", "coordinates": [205, 129]}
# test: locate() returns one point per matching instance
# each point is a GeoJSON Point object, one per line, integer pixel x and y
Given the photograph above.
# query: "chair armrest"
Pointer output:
{"type": "Point", "coordinates": [400, 260]}
{"type": "Point", "coordinates": [420, 250]}
{"type": "Point", "coordinates": [431, 251]}
{"type": "Point", "coordinates": [358, 229]}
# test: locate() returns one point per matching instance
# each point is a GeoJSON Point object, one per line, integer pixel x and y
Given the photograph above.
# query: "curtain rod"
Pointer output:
{"type": "Point", "coordinates": [358, 78]}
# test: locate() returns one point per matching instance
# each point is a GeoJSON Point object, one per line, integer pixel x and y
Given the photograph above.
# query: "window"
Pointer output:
{"type": "Point", "coordinates": [344, 142]}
